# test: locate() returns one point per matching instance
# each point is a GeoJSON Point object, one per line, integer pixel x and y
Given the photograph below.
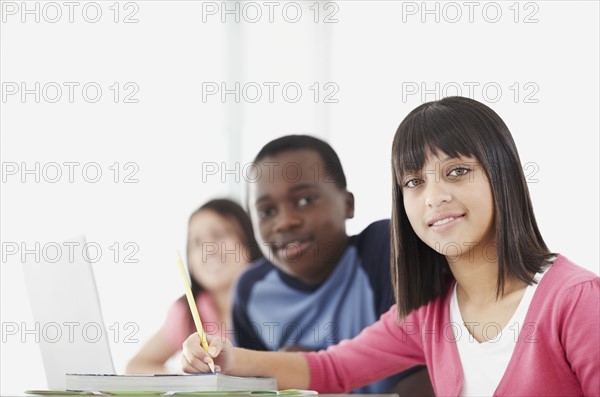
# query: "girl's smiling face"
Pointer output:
{"type": "Point", "coordinates": [450, 205]}
{"type": "Point", "coordinates": [216, 251]}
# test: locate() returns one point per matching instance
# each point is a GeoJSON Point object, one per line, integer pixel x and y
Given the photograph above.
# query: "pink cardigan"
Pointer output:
{"type": "Point", "coordinates": [178, 325]}
{"type": "Point", "coordinates": [557, 353]}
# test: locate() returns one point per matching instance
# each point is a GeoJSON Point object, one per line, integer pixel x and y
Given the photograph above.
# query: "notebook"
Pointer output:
{"type": "Point", "coordinates": [63, 296]}
{"type": "Point", "coordinates": [165, 383]}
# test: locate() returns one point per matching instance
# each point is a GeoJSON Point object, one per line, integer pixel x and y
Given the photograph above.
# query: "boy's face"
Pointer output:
{"type": "Point", "coordinates": [299, 214]}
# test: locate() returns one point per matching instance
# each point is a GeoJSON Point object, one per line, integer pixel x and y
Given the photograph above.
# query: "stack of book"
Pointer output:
{"type": "Point", "coordinates": [166, 383]}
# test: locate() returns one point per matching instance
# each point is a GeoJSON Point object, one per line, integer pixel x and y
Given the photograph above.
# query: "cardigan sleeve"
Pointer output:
{"type": "Point", "coordinates": [579, 334]}
{"type": "Point", "coordinates": [380, 350]}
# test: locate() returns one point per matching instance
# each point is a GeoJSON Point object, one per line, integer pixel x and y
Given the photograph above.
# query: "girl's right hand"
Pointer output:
{"type": "Point", "coordinates": [195, 360]}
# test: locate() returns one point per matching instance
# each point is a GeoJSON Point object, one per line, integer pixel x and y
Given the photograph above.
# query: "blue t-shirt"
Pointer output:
{"type": "Point", "coordinates": [273, 310]}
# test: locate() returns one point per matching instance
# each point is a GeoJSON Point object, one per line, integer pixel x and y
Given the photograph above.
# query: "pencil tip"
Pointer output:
{"type": "Point", "coordinates": [211, 365]}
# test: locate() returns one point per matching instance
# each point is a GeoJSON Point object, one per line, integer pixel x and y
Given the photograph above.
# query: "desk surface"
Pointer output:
{"type": "Point", "coordinates": [221, 395]}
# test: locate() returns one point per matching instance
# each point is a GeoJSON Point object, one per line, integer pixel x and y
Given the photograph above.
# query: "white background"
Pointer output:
{"type": "Point", "coordinates": [371, 53]}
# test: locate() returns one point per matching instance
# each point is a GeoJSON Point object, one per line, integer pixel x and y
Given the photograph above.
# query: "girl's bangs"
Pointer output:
{"type": "Point", "coordinates": [432, 131]}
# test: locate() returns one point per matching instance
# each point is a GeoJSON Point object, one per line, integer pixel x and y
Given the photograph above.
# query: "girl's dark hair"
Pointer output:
{"type": "Point", "coordinates": [250, 251]}
{"type": "Point", "coordinates": [460, 126]}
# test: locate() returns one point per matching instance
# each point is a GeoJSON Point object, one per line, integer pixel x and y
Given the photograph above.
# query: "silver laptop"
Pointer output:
{"type": "Point", "coordinates": [66, 308]}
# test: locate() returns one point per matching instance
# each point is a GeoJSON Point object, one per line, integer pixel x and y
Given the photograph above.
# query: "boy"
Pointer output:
{"type": "Point", "coordinates": [316, 286]}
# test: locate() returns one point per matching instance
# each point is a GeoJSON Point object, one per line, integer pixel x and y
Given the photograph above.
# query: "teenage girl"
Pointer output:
{"type": "Point", "coordinates": [481, 299]}
{"type": "Point", "coordinates": [220, 245]}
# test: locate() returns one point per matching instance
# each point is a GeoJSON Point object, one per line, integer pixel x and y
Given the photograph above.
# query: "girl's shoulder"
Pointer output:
{"type": "Point", "coordinates": [565, 286]}
{"type": "Point", "coordinates": [180, 308]}
{"type": "Point", "coordinates": [563, 274]}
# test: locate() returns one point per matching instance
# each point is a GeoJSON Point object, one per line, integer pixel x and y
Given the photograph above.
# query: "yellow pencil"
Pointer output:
{"type": "Point", "coordinates": [194, 309]}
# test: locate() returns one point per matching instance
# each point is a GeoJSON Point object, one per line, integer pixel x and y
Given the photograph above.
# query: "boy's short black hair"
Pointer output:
{"type": "Point", "coordinates": [333, 166]}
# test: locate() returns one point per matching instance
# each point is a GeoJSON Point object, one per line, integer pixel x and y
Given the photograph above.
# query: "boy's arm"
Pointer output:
{"type": "Point", "coordinates": [373, 245]}
{"type": "Point", "coordinates": [245, 335]}
{"type": "Point", "coordinates": [245, 332]}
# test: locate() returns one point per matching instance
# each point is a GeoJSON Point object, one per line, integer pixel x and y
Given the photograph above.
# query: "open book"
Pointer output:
{"type": "Point", "coordinates": [165, 383]}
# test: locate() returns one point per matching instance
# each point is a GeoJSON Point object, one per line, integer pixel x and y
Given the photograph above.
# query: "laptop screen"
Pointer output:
{"type": "Point", "coordinates": [65, 306]}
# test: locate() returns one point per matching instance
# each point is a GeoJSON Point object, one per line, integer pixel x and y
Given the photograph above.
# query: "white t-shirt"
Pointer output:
{"type": "Point", "coordinates": [484, 363]}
